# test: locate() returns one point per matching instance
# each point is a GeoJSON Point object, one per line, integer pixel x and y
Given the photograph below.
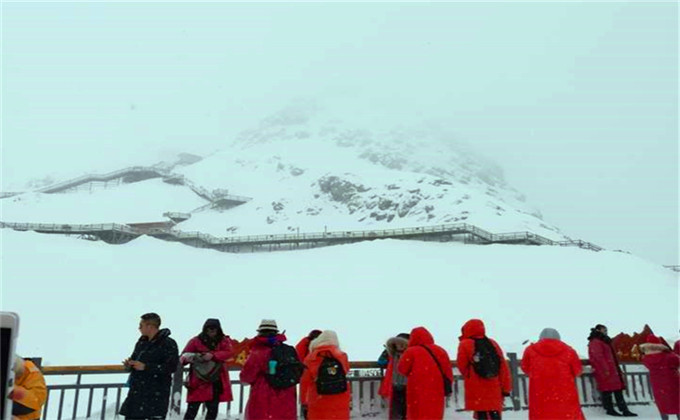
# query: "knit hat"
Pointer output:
{"type": "Point", "coordinates": [268, 325]}
{"type": "Point", "coordinates": [549, 333]}
{"type": "Point", "coordinates": [212, 323]}
{"type": "Point", "coordinates": [651, 338]}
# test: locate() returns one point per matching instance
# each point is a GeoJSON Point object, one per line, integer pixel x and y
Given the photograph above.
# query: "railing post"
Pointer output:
{"type": "Point", "coordinates": [514, 375]}
{"type": "Point", "coordinates": [176, 390]}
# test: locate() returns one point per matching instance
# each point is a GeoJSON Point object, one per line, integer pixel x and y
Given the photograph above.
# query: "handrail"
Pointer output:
{"type": "Point", "coordinates": [68, 369]}
{"type": "Point", "coordinates": [410, 232]}
{"type": "Point", "coordinates": [102, 177]}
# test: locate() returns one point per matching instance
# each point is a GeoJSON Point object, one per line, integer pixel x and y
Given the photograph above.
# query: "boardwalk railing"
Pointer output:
{"type": "Point", "coordinates": [134, 174]}
{"type": "Point", "coordinates": [448, 232]}
{"type": "Point", "coordinates": [76, 392]}
{"type": "Point", "coordinates": [147, 171]}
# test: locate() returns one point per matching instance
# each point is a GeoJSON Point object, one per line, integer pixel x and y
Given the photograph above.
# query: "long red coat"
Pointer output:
{"type": "Point", "coordinates": [552, 367]}
{"type": "Point", "coordinates": [605, 366]}
{"type": "Point", "coordinates": [425, 386]}
{"type": "Point", "coordinates": [265, 402]}
{"type": "Point", "coordinates": [200, 391]}
{"type": "Point", "coordinates": [665, 380]}
{"type": "Point", "coordinates": [302, 349]}
{"type": "Point", "coordinates": [325, 407]}
{"type": "Point", "coordinates": [481, 394]}
{"type": "Point", "coordinates": [676, 348]}
{"type": "Point", "coordinates": [385, 389]}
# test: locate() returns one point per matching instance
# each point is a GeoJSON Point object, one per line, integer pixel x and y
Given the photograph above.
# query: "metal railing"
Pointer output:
{"type": "Point", "coordinates": [61, 186]}
{"type": "Point", "coordinates": [95, 398]}
{"type": "Point", "coordinates": [68, 228]}
{"type": "Point", "coordinates": [320, 237]}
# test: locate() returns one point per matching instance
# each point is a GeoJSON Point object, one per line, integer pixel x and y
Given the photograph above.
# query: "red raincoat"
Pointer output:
{"type": "Point", "coordinates": [302, 349]}
{"type": "Point", "coordinates": [605, 366]}
{"type": "Point", "coordinates": [385, 389]}
{"type": "Point", "coordinates": [663, 375]}
{"type": "Point", "coordinates": [481, 394]}
{"type": "Point", "coordinates": [425, 386]}
{"type": "Point", "coordinates": [199, 390]}
{"type": "Point", "coordinates": [265, 402]}
{"type": "Point", "coordinates": [325, 407]}
{"type": "Point", "coordinates": [552, 368]}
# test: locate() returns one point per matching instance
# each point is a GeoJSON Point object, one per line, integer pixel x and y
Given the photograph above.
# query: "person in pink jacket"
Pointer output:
{"type": "Point", "coordinates": [208, 381]}
{"type": "Point", "coordinates": [266, 402]}
{"type": "Point", "coordinates": [608, 374]}
{"type": "Point", "coordinates": [663, 367]}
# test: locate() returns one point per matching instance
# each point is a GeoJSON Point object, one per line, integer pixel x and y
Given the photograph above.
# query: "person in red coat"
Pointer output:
{"type": "Point", "coordinates": [484, 396]}
{"type": "Point", "coordinates": [326, 406]}
{"type": "Point", "coordinates": [265, 402]}
{"type": "Point", "coordinates": [663, 367]}
{"type": "Point", "coordinates": [423, 363]}
{"type": "Point", "coordinates": [552, 368]}
{"type": "Point", "coordinates": [302, 349]}
{"type": "Point", "coordinates": [608, 374]}
{"type": "Point", "coordinates": [208, 380]}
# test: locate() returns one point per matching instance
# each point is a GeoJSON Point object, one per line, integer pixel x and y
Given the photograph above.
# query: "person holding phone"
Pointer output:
{"type": "Point", "coordinates": [152, 363]}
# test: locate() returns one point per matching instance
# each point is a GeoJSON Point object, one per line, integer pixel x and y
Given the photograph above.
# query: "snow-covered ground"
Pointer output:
{"type": "Point", "coordinates": [125, 203]}
{"type": "Point", "coordinates": [80, 301]}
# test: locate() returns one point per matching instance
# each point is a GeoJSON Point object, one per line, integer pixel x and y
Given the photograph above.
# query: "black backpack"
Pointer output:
{"type": "Point", "coordinates": [331, 378]}
{"type": "Point", "coordinates": [485, 360]}
{"type": "Point", "coordinates": [286, 365]}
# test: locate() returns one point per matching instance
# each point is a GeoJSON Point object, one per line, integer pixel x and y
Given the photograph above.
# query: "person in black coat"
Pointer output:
{"type": "Point", "coordinates": [151, 364]}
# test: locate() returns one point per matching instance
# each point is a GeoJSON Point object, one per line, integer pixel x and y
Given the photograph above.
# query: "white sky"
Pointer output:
{"type": "Point", "coordinates": [577, 101]}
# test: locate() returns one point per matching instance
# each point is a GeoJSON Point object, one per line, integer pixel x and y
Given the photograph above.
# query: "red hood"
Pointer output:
{"type": "Point", "coordinates": [549, 347]}
{"type": "Point", "coordinates": [474, 328]}
{"type": "Point", "coordinates": [420, 336]}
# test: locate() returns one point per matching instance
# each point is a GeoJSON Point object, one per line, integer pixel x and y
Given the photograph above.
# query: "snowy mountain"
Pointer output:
{"type": "Point", "coordinates": [305, 170]}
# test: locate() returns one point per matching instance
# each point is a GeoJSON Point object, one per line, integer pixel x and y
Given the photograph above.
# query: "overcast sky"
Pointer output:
{"type": "Point", "coordinates": [577, 101]}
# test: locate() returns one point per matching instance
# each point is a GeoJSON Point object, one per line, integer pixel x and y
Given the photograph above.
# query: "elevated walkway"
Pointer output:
{"type": "Point", "coordinates": [460, 232]}
{"type": "Point", "coordinates": [217, 199]}
{"type": "Point", "coordinates": [111, 233]}
{"type": "Point", "coordinates": [126, 176]}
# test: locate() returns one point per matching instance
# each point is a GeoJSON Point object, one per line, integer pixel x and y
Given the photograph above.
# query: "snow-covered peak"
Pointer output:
{"type": "Point", "coordinates": [308, 170]}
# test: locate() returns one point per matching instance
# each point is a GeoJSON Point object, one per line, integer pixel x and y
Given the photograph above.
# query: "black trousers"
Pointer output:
{"type": "Point", "coordinates": [398, 404]}
{"type": "Point", "coordinates": [488, 415]}
{"type": "Point", "coordinates": [211, 405]}
{"type": "Point", "coordinates": [608, 404]}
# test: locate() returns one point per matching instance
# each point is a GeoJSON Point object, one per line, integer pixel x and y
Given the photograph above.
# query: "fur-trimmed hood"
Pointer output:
{"type": "Point", "coordinates": [326, 338]}
{"type": "Point", "coordinates": [392, 343]}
